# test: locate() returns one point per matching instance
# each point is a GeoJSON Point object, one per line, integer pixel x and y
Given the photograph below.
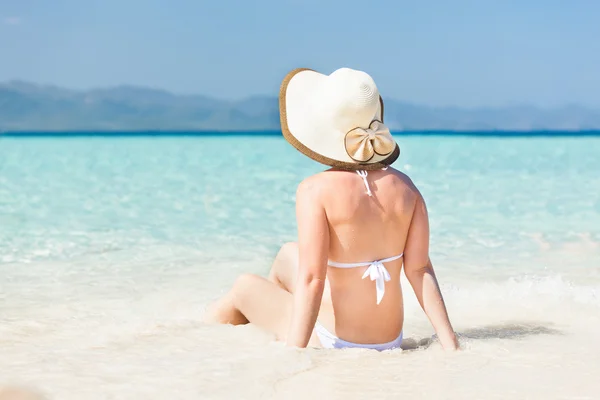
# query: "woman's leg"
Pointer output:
{"type": "Point", "coordinates": [266, 303]}
{"type": "Point", "coordinates": [223, 311]}
{"type": "Point", "coordinates": [283, 274]}
{"type": "Point", "coordinates": [256, 300]}
{"type": "Point", "coordinates": [285, 267]}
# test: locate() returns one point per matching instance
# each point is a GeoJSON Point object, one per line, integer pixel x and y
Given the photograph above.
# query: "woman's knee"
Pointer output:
{"type": "Point", "coordinates": [288, 252]}
{"type": "Point", "coordinates": [243, 281]}
{"type": "Point", "coordinates": [244, 286]}
{"type": "Point", "coordinates": [290, 247]}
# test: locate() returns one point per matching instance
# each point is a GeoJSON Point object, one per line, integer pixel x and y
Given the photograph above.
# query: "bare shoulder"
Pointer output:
{"type": "Point", "coordinates": [409, 189]}
{"type": "Point", "coordinates": [325, 183]}
{"type": "Point", "coordinates": [324, 179]}
{"type": "Point", "coordinates": [410, 185]}
{"type": "Point", "coordinates": [309, 197]}
{"type": "Point", "coordinates": [311, 187]}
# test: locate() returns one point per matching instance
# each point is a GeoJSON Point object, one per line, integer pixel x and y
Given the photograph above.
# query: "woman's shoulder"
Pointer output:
{"type": "Point", "coordinates": [331, 179]}
{"type": "Point", "coordinates": [324, 179]}
{"type": "Point", "coordinates": [404, 178]}
{"type": "Point", "coordinates": [312, 184]}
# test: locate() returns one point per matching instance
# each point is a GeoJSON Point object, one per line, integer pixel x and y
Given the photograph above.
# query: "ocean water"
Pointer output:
{"type": "Point", "coordinates": [110, 249]}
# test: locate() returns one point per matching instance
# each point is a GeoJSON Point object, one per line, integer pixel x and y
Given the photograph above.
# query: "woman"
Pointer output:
{"type": "Point", "coordinates": [358, 224]}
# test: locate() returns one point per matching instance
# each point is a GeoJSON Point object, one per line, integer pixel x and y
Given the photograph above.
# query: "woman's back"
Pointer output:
{"type": "Point", "coordinates": [365, 228]}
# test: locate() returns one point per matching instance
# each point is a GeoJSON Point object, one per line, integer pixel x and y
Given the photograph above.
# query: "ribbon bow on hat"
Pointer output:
{"type": "Point", "coordinates": [363, 144]}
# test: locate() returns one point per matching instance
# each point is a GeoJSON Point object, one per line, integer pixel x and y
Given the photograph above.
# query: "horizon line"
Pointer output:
{"type": "Point", "coordinates": [273, 133]}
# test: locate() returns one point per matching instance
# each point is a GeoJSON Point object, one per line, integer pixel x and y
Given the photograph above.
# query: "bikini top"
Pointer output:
{"type": "Point", "coordinates": [376, 271]}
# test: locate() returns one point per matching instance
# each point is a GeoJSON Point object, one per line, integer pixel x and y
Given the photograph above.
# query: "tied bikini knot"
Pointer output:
{"type": "Point", "coordinates": [362, 144]}
{"type": "Point", "coordinates": [378, 273]}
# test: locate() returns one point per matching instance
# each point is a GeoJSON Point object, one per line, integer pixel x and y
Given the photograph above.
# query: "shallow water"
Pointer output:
{"type": "Point", "coordinates": [111, 248]}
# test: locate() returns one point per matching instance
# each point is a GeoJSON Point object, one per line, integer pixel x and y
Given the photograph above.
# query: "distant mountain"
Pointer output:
{"type": "Point", "coordinates": [29, 107]}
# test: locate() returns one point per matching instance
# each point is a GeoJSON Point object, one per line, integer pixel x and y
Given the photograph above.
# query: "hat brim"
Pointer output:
{"type": "Point", "coordinates": [289, 136]}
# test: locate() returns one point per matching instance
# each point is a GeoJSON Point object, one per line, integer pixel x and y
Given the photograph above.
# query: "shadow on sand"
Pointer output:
{"type": "Point", "coordinates": [505, 331]}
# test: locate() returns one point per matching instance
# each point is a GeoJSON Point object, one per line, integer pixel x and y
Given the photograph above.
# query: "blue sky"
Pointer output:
{"type": "Point", "coordinates": [435, 52]}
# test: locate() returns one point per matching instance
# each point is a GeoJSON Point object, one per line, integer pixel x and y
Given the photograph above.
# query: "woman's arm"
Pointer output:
{"type": "Point", "coordinates": [420, 274]}
{"type": "Point", "coordinates": [313, 246]}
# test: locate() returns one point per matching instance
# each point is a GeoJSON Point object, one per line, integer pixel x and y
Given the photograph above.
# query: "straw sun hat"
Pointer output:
{"type": "Point", "coordinates": [336, 119]}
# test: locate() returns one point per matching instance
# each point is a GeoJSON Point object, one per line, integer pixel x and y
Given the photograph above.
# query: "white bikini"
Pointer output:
{"type": "Point", "coordinates": [377, 272]}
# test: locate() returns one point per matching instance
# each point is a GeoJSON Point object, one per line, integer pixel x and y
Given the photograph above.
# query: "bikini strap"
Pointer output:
{"type": "Point", "coordinates": [363, 264]}
{"type": "Point", "coordinates": [376, 272]}
{"type": "Point", "coordinates": [363, 175]}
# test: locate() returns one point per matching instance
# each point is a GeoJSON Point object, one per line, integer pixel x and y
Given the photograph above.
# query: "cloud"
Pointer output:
{"type": "Point", "coordinates": [12, 20]}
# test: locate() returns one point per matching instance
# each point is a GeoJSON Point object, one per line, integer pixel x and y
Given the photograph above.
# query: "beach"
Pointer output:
{"type": "Point", "coordinates": [111, 248]}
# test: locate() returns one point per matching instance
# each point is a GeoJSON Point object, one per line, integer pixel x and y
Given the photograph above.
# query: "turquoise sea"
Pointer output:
{"type": "Point", "coordinates": [111, 247]}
